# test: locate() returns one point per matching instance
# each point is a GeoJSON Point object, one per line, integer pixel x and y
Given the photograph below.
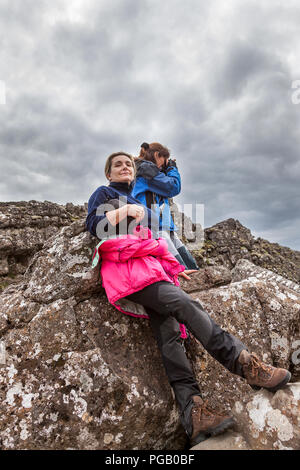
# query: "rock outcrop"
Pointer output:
{"type": "Point", "coordinates": [226, 242]}
{"type": "Point", "coordinates": [24, 227]}
{"type": "Point", "coordinates": [263, 422]}
{"type": "Point", "coordinates": [271, 421]}
{"type": "Point", "coordinates": [80, 375]}
{"type": "Point", "coordinates": [229, 241]}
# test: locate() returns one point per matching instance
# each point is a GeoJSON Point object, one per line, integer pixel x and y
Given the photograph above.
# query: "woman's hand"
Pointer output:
{"type": "Point", "coordinates": [135, 211]}
{"type": "Point", "coordinates": [132, 210]}
{"type": "Point", "coordinates": [186, 272]}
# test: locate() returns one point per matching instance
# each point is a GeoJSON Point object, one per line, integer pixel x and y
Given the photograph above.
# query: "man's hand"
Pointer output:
{"type": "Point", "coordinates": [185, 273]}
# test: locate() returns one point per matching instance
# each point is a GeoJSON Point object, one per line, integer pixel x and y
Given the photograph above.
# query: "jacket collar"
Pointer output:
{"type": "Point", "coordinates": [123, 187]}
{"type": "Point", "coordinates": [146, 169]}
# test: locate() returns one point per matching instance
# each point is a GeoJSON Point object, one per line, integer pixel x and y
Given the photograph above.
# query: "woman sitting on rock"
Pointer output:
{"type": "Point", "coordinates": [137, 269]}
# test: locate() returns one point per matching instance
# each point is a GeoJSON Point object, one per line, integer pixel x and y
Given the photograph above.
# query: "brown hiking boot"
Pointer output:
{"type": "Point", "coordinates": [258, 374]}
{"type": "Point", "coordinates": [207, 422]}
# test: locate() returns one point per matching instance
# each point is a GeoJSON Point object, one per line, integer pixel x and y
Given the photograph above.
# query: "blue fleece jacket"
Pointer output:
{"type": "Point", "coordinates": [163, 185]}
{"type": "Point", "coordinates": [96, 208]}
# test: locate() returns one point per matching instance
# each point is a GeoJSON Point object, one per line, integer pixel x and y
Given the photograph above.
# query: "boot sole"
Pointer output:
{"type": "Point", "coordinates": [202, 436]}
{"type": "Point", "coordinates": [278, 386]}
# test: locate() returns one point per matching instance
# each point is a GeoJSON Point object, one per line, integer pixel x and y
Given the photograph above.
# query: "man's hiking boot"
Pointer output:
{"type": "Point", "coordinates": [258, 374]}
{"type": "Point", "coordinates": [206, 422]}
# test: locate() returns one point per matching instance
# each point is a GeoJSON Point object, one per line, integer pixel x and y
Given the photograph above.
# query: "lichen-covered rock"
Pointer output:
{"type": "Point", "coordinates": [230, 440]}
{"type": "Point", "coordinates": [271, 421]}
{"type": "Point", "coordinates": [82, 376]}
{"type": "Point", "coordinates": [265, 316]}
{"type": "Point", "coordinates": [245, 269]}
{"type": "Point", "coordinates": [212, 276]}
{"type": "Point", "coordinates": [265, 421]}
{"type": "Point", "coordinates": [78, 374]}
{"type": "Point", "coordinates": [24, 227]}
{"type": "Point", "coordinates": [62, 268]}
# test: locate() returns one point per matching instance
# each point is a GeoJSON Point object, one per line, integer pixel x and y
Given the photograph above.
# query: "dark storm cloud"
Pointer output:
{"type": "Point", "coordinates": [246, 170]}
{"type": "Point", "coordinates": [242, 63]}
{"type": "Point", "coordinates": [212, 82]}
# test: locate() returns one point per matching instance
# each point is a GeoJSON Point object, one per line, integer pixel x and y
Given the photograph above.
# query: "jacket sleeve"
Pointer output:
{"type": "Point", "coordinates": [98, 224]}
{"type": "Point", "coordinates": [166, 185]}
{"type": "Point", "coordinates": [96, 214]}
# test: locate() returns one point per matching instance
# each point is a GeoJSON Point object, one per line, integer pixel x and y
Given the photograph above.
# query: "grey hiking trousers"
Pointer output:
{"type": "Point", "coordinates": [166, 305]}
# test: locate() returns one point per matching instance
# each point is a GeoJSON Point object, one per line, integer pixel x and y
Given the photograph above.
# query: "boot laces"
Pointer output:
{"type": "Point", "coordinates": [203, 409]}
{"type": "Point", "coordinates": [257, 366]}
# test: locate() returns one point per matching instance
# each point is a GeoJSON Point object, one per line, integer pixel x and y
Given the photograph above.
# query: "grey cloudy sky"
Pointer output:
{"type": "Point", "coordinates": [211, 80]}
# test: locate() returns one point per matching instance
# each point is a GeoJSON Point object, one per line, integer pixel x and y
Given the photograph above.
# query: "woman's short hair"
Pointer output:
{"type": "Point", "coordinates": [109, 160]}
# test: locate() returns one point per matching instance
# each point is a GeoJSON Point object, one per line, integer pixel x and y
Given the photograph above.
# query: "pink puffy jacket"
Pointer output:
{"type": "Point", "coordinates": [131, 262]}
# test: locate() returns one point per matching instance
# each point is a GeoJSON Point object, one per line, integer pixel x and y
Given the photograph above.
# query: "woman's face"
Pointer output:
{"type": "Point", "coordinates": [142, 153]}
{"type": "Point", "coordinates": [122, 170]}
{"type": "Point", "coordinates": [160, 161]}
